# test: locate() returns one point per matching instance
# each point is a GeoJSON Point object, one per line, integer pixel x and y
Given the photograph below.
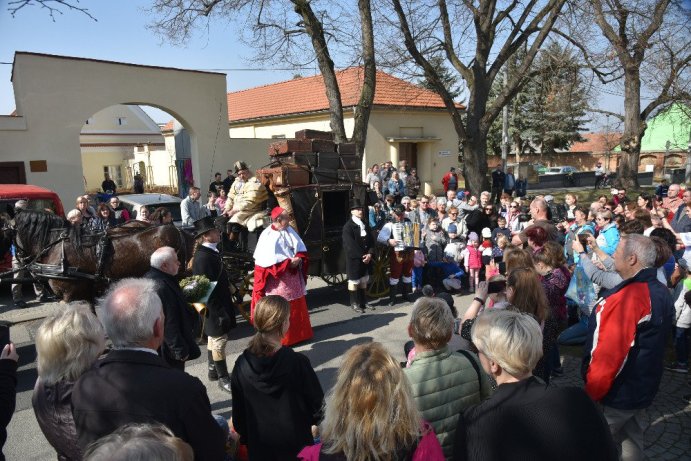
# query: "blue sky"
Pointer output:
{"type": "Point", "coordinates": [121, 35]}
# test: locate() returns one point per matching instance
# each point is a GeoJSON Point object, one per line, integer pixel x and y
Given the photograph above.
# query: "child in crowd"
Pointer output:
{"type": "Point", "coordinates": [472, 258]}
{"type": "Point", "coordinates": [501, 229]}
{"type": "Point", "coordinates": [498, 249]}
{"type": "Point", "coordinates": [419, 262]}
{"type": "Point", "coordinates": [453, 250]}
{"type": "Point", "coordinates": [486, 246]}
{"type": "Point", "coordinates": [435, 241]}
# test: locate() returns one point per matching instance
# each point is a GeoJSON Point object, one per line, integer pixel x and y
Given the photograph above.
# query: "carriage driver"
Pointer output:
{"type": "Point", "coordinates": [397, 235]}
{"type": "Point", "coordinates": [245, 205]}
{"type": "Point", "coordinates": [359, 248]}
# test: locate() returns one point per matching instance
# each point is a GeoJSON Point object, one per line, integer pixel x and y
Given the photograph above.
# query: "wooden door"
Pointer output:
{"type": "Point", "coordinates": [408, 151]}
{"type": "Point", "coordinates": [12, 173]}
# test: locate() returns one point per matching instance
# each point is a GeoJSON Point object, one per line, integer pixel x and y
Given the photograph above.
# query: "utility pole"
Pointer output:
{"type": "Point", "coordinates": [505, 126]}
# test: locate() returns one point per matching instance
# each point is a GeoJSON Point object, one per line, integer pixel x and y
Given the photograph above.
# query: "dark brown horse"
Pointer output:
{"type": "Point", "coordinates": [80, 265]}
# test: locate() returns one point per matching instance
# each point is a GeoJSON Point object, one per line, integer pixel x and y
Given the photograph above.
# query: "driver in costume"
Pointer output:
{"type": "Point", "coordinates": [359, 249]}
{"type": "Point", "coordinates": [245, 203]}
{"type": "Point", "coordinates": [281, 269]}
{"type": "Point", "coordinates": [395, 234]}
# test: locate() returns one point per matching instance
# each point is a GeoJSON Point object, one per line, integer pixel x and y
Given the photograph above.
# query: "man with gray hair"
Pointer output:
{"type": "Point", "coordinates": [624, 350]}
{"type": "Point", "coordinates": [132, 384]}
{"type": "Point", "coordinates": [178, 344]}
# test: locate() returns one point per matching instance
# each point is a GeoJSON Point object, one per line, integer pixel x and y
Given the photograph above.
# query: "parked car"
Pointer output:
{"type": "Point", "coordinates": [560, 170]}
{"type": "Point", "coordinates": [39, 198]}
{"type": "Point", "coordinates": [133, 201]}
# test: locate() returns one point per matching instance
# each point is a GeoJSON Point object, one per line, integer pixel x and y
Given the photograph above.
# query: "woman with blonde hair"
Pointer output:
{"type": "Point", "coordinates": [515, 257]}
{"type": "Point", "coordinates": [277, 397]}
{"type": "Point", "coordinates": [68, 342]}
{"type": "Point", "coordinates": [525, 419]}
{"type": "Point", "coordinates": [371, 414]}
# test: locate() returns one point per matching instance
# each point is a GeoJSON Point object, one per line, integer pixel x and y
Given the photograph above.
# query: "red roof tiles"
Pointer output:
{"type": "Point", "coordinates": [597, 143]}
{"type": "Point", "coordinates": [308, 94]}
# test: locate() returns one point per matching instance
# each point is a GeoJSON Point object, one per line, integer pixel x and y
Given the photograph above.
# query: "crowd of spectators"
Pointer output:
{"type": "Point", "coordinates": [611, 275]}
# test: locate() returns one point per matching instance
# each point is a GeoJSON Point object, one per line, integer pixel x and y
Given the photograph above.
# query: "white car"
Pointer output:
{"type": "Point", "coordinates": [560, 170]}
{"type": "Point", "coordinates": [133, 201]}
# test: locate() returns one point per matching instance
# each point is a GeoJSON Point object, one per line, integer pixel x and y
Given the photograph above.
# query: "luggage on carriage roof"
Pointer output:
{"type": "Point", "coordinates": [350, 162]}
{"type": "Point", "coordinates": [349, 175]}
{"type": "Point", "coordinates": [285, 175]}
{"type": "Point", "coordinates": [328, 160]}
{"type": "Point", "coordinates": [314, 134]}
{"type": "Point", "coordinates": [307, 159]}
{"type": "Point", "coordinates": [324, 176]}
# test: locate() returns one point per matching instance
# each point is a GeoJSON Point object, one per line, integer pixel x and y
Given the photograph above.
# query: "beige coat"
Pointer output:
{"type": "Point", "coordinates": [249, 201]}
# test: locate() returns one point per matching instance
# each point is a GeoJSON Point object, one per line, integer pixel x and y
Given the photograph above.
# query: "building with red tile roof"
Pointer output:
{"type": "Point", "coordinates": [407, 122]}
{"type": "Point", "coordinates": [597, 143]}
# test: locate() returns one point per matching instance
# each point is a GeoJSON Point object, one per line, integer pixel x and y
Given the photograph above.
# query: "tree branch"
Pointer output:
{"type": "Point", "coordinates": [15, 6]}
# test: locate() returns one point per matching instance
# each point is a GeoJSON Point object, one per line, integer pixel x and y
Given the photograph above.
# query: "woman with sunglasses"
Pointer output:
{"type": "Point", "coordinates": [512, 221]}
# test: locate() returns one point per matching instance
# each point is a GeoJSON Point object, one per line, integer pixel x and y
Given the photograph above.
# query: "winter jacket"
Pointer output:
{"type": "Point", "coordinates": [53, 409]}
{"type": "Point", "coordinates": [444, 384]}
{"type": "Point", "coordinates": [682, 310]}
{"type": "Point", "coordinates": [624, 350]}
{"type": "Point", "coordinates": [608, 239]}
{"type": "Point", "coordinates": [276, 400]}
{"type": "Point", "coordinates": [435, 241]}
{"type": "Point", "coordinates": [472, 257]}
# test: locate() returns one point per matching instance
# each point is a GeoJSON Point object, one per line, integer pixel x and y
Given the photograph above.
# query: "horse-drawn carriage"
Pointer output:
{"type": "Point", "coordinates": [80, 266]}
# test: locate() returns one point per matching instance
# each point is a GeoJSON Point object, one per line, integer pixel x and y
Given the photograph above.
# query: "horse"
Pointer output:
{"type": "Point", "coordinates": [79, 265]}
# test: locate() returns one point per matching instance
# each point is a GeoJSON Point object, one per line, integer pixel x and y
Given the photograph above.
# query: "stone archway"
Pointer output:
{"type": "Point", "coordinates": [56, 94]}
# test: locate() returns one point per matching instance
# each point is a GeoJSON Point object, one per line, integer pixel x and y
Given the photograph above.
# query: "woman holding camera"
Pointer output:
{"type": "Point", "coordinates": [580, 226]}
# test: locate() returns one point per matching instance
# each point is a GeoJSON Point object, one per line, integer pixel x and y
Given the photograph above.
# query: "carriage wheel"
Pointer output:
{"type": "Point", "coordinates": [379, 279]}
{"type": "Point", "coordinates": [334, 280]}
{"type": "Point", "coordinates": [246, 289]}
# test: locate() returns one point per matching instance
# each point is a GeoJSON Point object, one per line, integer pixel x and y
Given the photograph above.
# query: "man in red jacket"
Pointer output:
{"type": "Point", "coordinates": [450, 180]}
{"type": "Point", "coordinates": [628, 331]}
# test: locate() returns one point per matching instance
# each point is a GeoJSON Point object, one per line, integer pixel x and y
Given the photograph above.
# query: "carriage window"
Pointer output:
{"type": "Point", "coordinates": [335, 208]}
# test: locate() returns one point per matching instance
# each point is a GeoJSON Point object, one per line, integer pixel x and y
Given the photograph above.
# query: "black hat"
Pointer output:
{"type": "Point", "coordinates": [239, 166]}
{"type": "Point", "coordinates": [399, 209]}
{"type": "Point", "coordinates": [204, 225]}
{"type": "Point", "coordinates": [356, 203]}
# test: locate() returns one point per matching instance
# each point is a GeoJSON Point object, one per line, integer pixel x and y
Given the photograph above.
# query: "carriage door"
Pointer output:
{"type": "Point", "coordinates": [336, 210]}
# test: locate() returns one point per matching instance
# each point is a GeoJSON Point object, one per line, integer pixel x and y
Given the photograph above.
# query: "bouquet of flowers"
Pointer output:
{"type": "Point", "coordinates": [196, 288]}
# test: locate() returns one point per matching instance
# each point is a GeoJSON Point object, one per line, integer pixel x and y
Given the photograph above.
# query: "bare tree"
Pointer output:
{"type": "Point", "coordinates": [53, 7]}
{"type": "Point", "coordinates": [647, 48]}
{"type": "Point", "coordinates": [477, 38]}
{"type": "Point", "coordinates": [314, 34]}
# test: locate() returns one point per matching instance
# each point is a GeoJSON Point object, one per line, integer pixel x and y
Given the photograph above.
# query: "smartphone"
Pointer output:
{"type": "Point", "coordinates": [496, 287]}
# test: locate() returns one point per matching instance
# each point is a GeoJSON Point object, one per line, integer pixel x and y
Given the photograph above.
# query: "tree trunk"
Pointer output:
{"type": "Point", "coordinates": [315, 31]}
{"type": "Point", "coordinates": [475, 165]}
{"type": "Point", "coordinates": [634, 127]}
{"type": "Point", "coordinates": [364, 106]}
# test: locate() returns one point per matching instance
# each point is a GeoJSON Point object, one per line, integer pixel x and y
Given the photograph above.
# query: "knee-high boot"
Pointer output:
{"type": "Point", "coordinates": [213, 374]}
{"type": "Point", "coordinates": [362, 298]}
{"type": "Point", "coordinates": [354, 302]}
{"type": "Point", "coordinates": [392, 294]}
{"type": "Point", "coordinates": [223, 378]}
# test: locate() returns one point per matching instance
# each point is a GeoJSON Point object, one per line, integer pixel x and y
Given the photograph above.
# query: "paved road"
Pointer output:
{"type": "Point", "coordinates": [336, 329]}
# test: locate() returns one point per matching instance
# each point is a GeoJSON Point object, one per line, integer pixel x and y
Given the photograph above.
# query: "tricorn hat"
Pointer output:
{"type": "Point", "coordinates": [204, 225]}
{"type": "Point", "coordinates": [239, 166]}
{"type": "Point", "coordinates": [356, 203]}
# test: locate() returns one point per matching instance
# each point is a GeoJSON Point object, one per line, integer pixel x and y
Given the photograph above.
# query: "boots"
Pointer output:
{"type": "Point", "coordinates": [354, 302]}
{"type": "Point", "coordinates": [213, 375]}
{"type": "Point", "coordinates": [407, 287]}
{"type": "Point", "coordinates": [392, 294]}
{"type": "Point", "coordinates": [362, 297]}
{"type": "Point", "coordinates": [223, 378]}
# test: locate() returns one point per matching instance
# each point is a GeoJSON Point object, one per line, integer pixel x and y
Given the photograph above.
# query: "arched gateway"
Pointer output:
{"type": "Point", "coordinates": [56, 94]}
